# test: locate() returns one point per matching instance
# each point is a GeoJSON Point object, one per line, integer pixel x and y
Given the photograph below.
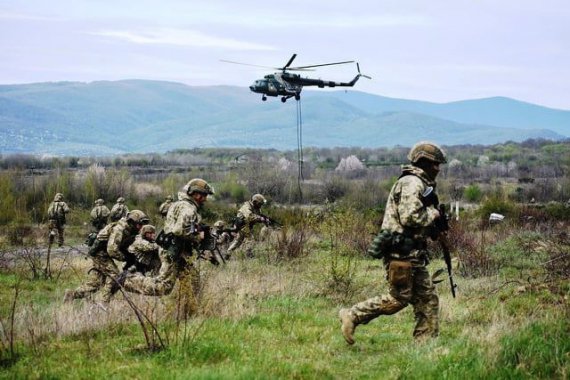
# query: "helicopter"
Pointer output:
{"type": "Point", "coordinates": [289, 85]}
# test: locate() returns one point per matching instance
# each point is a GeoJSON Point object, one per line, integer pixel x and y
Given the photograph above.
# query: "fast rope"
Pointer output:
{"type": "Point", "coordinates": [300, 177]}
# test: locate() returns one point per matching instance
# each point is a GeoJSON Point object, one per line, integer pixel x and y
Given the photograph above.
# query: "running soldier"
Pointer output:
{"type": "Point", "coordinates": [119, 210]}
{"type": "Point", "coordinates": [181, 238]}
{"type": "Point", "coordinates": [247, 217]}
{"type": "Point", "coordinates": [407, 222]}
{"type": "Point", "coordinates": [99, 215]}
{"type": "Point", "coordinates": [57, 212]}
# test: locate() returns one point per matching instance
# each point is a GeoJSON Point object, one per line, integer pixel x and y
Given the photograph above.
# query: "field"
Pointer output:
{"type": "Point", "coordinates": [273, 312]}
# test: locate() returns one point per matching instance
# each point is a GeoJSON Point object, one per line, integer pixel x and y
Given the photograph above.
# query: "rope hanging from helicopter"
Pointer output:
{"type": "Point", "coordinates": [300, 162]}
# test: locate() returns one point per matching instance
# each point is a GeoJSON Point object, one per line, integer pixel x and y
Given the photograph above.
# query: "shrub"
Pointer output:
{"type": "Point", "coordinates": [472, 193]}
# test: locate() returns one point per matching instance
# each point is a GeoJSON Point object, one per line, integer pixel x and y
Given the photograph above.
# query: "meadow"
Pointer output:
{"type": "Point", "coordinates": [272, 310]}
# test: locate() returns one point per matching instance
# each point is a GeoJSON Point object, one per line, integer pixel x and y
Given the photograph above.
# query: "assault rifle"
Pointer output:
{"type": "Point", "coordinates": [439, 232]}
{"type": "Point", "coordinates": [271, 222]}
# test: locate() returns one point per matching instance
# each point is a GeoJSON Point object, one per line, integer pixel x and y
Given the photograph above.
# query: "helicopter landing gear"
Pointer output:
{"type": "Point", "coordinates": [264, 98]}
{"type": "Point", "coordinates": [283, 99]}
{"type": "Point", "coordinates": [297, 97]}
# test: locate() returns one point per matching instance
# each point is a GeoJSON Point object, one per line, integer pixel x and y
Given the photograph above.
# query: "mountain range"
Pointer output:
{"type": "Point", "coordinates": [111, 117]}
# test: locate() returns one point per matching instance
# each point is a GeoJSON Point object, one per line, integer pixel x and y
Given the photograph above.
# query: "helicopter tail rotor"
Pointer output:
{"type": "Point", "coordinates": [362, 75]}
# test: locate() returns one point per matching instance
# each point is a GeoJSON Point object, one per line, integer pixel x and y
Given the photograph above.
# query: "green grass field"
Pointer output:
{"type": "Point", "coordinates": [267, 318]}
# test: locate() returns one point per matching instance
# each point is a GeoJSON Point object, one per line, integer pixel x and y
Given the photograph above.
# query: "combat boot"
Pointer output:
{"type": "Point", "coordinates": [348, 325]}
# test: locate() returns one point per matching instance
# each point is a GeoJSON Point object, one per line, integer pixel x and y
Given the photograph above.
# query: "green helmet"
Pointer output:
{"type": "Point", "coordinates": [169, 198]}
{"type": "Point", "coordinates": [120, 200]}
{"type": "Point", "coordinates": [99, 202]}
{"type": "Point", "coordinates": [198, 185]}
{"type": "Point", "coordinates": [258, 199]}
{"type": "Point", "coordinates": [58, 197]}
{"type": "Point", "coordinates": [427, 150]}
{"type": "Point", "coordinates": [137, 217]}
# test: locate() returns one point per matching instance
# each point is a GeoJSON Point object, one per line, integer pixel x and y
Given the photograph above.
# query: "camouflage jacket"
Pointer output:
{"type": "Point", "coordinates": [118, 211]}
{"type": "Point", "coordinates": [249, 215]}
{"type": "Point", "coordinates": [99, 213]}
{"type": "Point", "coordinates": [120, 237]}
{"type": "Point", "coordinates": [143, 250]}
{"type": "Point", "coordinates": [405, 213]}
{"type": "Point", "coordinates": [183, 219]}
{"type": "Point", "coordinates": [163, 209]}
{"type": "Point", "coordinates": [57, 211]}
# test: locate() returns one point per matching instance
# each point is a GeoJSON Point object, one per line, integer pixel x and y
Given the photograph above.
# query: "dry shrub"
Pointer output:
{"type": "Point", "coordinates": [289, 244]}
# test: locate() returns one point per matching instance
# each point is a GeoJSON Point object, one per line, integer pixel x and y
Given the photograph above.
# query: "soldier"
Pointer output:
{"type": "Point", "coordinates": [408, 219]}
{"type": "Point", "coordinates": [99, 215]}
{"type": "Point", "coordinates": [145, 251]}
{"type": "Point", "coordinates": [247, 216]}
{"type": "Point", "coordinates": [223, 238]}
{"type": "Point", "coordinates": [112, 243]}
{"type": "Point", "coordinates": [119, 210]}
{"type": "Point", "coordinates": [182, 231]}
{"type": "Point", "coordinates": [57, 211]}
{"type": "Point", "coordinates": [163, 209]}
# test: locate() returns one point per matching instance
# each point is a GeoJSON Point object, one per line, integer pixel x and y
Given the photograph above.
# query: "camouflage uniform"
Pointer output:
{"type": "Point", "coordinates": [163, 209]}
{"type": "Point", "coordinates": [112, 244]}
{"type": "Point", "coordinates": [57, 211]}
{"type": "Point", "coordinates": [99, 215]}
{"type": "Point", "coordinates": [247, 216]}
{"type": "Point", "coordinates": [145, 252]}
{"type": "Point", "coordinates": [119, 210]}
{"type": "Point", "coordinates": [181, 221]}
{"type": "Point", "coordinates": [408, 277]}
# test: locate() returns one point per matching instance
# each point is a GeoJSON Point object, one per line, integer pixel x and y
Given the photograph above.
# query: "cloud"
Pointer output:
{"type": "Point", "coordinates": [180, 37]}
{"type": "Point", "coordinates": [25, 16]}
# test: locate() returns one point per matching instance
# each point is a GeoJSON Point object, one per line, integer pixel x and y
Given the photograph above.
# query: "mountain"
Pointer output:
{"type": "Point", "coordinates": [101, 118]}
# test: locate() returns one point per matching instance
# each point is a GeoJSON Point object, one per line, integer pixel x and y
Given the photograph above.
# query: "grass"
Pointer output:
{"type": "Point", "coordinates": [262, 318]}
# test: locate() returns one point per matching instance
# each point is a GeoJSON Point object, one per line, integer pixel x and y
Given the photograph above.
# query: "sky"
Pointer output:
{"type": "Point", "coordinates": [431, 50]}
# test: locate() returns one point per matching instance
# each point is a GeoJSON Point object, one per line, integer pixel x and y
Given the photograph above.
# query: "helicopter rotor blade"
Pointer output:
{"type": "Point", "coordinates": [249, 64]}
{"type": "Point", "coordinates": [322, 64]}
{"type": "Point", "coordinates": [362, 75]}
{"type": "Point", "coordinates": [290, 61]}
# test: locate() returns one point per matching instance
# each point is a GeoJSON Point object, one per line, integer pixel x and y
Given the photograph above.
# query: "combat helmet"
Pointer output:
{"type": "Point", "coordinates": [220, 224]}
{"type": "Point", "coordinates": [198, 185]}
{"type": "Point", "coordinates": [147, 228]}
{"type": "Point", "coordinates": [427, 150]}
{"type": "Point", "coordinates": [58, 197]}
{"type": "Point", "coordinates": [120, 200]}
{"type": "Point", "coordinates": [99, 202]}
{"type": "Point", "coordinates": [169, 198]}
{"type": "Point", "coordinates": [258, 199]}
{"type": "Point", "coordinates": [137, 217]}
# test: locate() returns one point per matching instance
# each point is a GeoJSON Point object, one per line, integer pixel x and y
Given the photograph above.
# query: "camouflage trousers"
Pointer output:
{"type": "Point", "coordinates": [243, 235]}
{"type": "Point", "coordinates": [410, 283]}
{"type": "Point", "coordinates": [101, 277]}
{"type": "Point", "coordinates": [56, 229]}
{"type": "Point", "coordinates": [171, 270]}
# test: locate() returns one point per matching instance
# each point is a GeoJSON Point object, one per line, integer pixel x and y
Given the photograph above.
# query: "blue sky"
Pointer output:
{"type": "Point", "coordinates": [434, 50]}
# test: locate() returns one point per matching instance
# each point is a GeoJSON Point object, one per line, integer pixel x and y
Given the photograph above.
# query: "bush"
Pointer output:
{"type": "Point", "coordinates": [472, 193]}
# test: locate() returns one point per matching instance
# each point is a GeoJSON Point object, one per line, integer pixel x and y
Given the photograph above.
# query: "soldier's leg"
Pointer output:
{"type": "Point", "coordinates": [94, 282]}
{"type": "Point", "coordinates": [52, 231]}
{"type": "Point", "coordinates": [60, 232]}
{"type": "Point", "coordinates": [154, 286]}
{"type": "Point", "coordinates": [426, 304]}
{"type": "Point", "coordinates": [189, 290]}
{"type": "Point", "coordinates": [236, 243]}
{"type": "Point", "coordinates": [400, 280]}
{"type": "Point", "coordinates": [110, 271]}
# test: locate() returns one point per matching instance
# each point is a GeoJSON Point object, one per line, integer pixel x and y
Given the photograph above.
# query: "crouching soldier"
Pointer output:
{"type": "Point", "coordinates": [180, 239]}
{"type": "Point", "coordinates": [248, 215]}
{"type": "Point", "coordinates": [145, 251]}
{"type": "Point", "coordinates": [112, 243]}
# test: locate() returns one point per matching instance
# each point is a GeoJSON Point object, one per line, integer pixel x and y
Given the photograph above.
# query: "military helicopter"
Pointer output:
{"type": "Point", "coordinates": [288, 85]}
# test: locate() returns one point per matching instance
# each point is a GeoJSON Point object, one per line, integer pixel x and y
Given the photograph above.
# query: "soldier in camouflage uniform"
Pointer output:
{"type": "Point", "coordinates": [119, 210]}
{"type": "Point", "coordinates": [409, 218]}
{"type": "Point", "coordinates": [99, 215]}
{"type": "Point", "coordinates": [112, 243]}
{"type": "Point", "coordinates": [145, 251]}
{"type": "Point", "coordinates": [57, 212]}
{"type": "Point", "coordinates": [163, 209]}
{"type": "Point", "coordinates": [248, 215]}
{"type": "Point", "coordinates": [182, 228]}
